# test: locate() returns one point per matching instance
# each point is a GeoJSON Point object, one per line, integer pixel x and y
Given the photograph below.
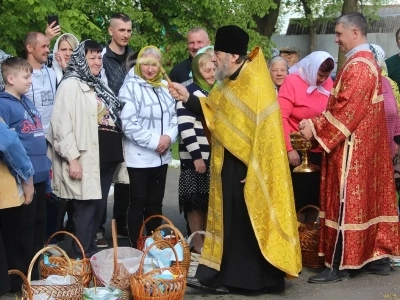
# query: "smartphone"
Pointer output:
{"type": "Point", "coordinates": [51, 19]}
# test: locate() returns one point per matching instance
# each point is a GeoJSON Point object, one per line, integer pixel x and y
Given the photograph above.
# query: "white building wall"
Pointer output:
{"type": "Point", "coordinates": [326, 42]}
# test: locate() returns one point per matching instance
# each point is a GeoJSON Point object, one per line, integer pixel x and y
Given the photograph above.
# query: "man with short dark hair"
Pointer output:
{"type": "Point", "coordinates": [115, 55]}
{"type": "Point", "coordinates": [251, 223]}
{"type": "Point", "coordinates": [43, 89]}
{"type": "Point", "coordinates": [42, 93]}
{"type": "Point", "coordinates": [197, 38]}
{"type": "Point", "coordinates": [393, 63]}
{"type": "Point", "coordinates": [358, 212]}
{"type": "Point", "coordinates": [117, 51]}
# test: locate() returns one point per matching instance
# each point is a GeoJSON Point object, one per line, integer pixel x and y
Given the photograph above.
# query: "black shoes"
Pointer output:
{"type": "Point", "coordinates": [378, 267]}
{"type": "Point", "coordinates": [194, 283]}
{"type": "Point", "coordinates": [329, 275]}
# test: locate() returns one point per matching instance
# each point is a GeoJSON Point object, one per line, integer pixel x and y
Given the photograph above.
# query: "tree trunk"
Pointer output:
{"type": "Point", "coordinates": [348, 6]}
{"type": "Point", "coordinates": [266, 25]}
{"type": "Point", "coordinates": [311, 26]}
{"type": "Point", "coordinates": [312, 35]}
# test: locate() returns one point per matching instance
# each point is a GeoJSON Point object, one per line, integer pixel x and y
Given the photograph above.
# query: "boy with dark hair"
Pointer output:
{"type": "Point", "coordinates": [22, 239]}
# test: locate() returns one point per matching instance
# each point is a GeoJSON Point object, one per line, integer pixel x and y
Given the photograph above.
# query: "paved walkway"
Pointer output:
{"type": "Point", "coordinates": [359, 287]}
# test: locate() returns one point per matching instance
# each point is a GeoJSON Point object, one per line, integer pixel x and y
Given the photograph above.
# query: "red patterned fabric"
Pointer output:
{"type": "Point", "coordinates": [357, 168]}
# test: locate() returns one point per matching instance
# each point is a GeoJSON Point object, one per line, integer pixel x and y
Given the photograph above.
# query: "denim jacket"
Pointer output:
{"type": "Point", "coordinates": [13, 154]}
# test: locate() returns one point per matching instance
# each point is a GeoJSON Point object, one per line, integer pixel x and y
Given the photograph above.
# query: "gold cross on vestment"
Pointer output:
{"type": "Point", "coordinates": [335, 136]}
{"type": "Point", "coordinates": [360, 217]}
{"type": "Point", "coordinates": [357, 192]}
{"type": "Point", "coordinates": [375, 135]}
{"type": "Point", "coordinates": [349, 116]}
{"type": "Point", "coordinates": [356, 167]}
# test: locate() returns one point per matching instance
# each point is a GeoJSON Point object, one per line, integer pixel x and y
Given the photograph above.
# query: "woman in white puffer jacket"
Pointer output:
{"type": "Point", "coordinates": [149, 124]}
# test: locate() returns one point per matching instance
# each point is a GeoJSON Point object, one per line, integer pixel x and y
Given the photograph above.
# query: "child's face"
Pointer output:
{"type": "Point", "coordinates": [21, 81]}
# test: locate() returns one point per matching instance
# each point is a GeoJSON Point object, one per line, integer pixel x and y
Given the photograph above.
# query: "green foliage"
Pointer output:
{"type": "Point", "coordinates": [155, 22]}
{"type": "Point", "coordinates": [175, 150]}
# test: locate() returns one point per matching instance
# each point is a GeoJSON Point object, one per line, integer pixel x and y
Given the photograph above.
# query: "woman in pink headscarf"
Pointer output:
{"type": "Point", "coordinates": [304, 95]}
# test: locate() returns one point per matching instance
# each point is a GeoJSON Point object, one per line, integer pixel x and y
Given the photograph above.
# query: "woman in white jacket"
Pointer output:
{"type": "Point", "coordinates": [149, 124]}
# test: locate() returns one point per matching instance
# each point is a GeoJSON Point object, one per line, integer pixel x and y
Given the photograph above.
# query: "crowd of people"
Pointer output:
{"type": "Point", "coordinates": [103, 115]}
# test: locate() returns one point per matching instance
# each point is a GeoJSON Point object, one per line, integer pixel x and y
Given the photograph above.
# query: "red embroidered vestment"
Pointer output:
{"type": "Point", "coordinates": [357, 168]}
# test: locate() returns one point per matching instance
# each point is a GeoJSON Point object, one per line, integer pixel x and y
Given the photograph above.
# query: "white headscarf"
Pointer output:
{"type": "Point", "coordinates": [307, 69]}
{"type": "Point", "coordinates": [3, 57]}
{"type": "Point", "coordinates": [56, 66]}
{"type": "Point", "coordinates": [379, 54]}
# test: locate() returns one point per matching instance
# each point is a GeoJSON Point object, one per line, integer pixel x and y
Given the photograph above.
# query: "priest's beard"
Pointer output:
{"type": "Point", "coordinates": [222, 70]}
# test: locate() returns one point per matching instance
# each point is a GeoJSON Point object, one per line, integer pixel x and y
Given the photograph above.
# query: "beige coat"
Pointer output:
{"type": "Point", "coordinates": [73, 134]}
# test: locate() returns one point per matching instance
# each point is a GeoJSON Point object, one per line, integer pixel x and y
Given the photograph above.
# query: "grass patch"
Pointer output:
{"type": "Point", "coordinates": [175, 150]}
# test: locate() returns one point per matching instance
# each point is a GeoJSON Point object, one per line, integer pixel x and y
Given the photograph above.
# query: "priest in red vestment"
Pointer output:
{"type": "Point", "coordinates": [358, 214]}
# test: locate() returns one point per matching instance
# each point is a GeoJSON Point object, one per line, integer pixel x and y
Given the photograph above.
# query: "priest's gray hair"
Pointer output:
{"type": "Point", "coordinates": [354, 19]}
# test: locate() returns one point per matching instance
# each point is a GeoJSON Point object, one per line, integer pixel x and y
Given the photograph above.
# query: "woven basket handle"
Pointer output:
{"type": "Point", "coordinates": [307, 206]}
{"type": "Point", "coordinates": [152, 217]}
{"type": "Point", "coordinates": [148, 249]}
{"type": "Point", "coordinates": [178, 234]}
{"type": "Point", "coordinates": [189, 240]}
{"type": "Point", "coordinates": [115, 243]}
{"type": "Point", "coordinates": [72, 236]}
{"type": "Point", "coordinates": [22, 275]}
{"type": "Point", "coordinates": [43, 251]}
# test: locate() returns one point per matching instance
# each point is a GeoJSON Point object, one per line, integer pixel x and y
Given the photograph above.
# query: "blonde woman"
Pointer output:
{"type": "Point", "coordinates": [150, 126]}
{"type": "Point", "coordinates": [62, 52]}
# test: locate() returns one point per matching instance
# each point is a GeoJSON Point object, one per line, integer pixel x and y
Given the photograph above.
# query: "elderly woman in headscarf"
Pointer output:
{"type": "Point", "coordinates": [390, 95]}
{"type": "Point", "coordinates": [304, 95]}
{"type": "Point", "coordinates": [86, 139]}
{"type": "Point", "coordinates": [150, 126]}
{"type": "Point", "coordinates": [278, 69]}
{"type": "Point", "coordinates": [194, 150]}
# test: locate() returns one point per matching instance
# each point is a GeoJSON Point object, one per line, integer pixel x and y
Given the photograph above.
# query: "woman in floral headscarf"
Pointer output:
{"type": "Point", "coordinates": [150, 126]}
{"type": "Point", "coordinates": [390, 94]}
{"type": "Point", "coordinates": [85, 133]}
{"type": "Point", "coordinates": [303, 95]}
{"type": "Point", "coordinates": [194, 150]}
{"type": "Point", "coordinates": [391, 98]}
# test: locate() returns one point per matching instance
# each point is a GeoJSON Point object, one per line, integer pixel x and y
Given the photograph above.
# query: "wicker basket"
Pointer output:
{"type": "Point", "coordinates": [65, 292]}
{"type": "Point", "coordinates": [175, 237]}
{"type": "Point", "coordinates": [309, 242]}
{"type": "Point", "coordinates": [80, 267]}
{"type": "Point", "coordinates": [194, 257]}
{"type": "Point", "coordinates": [121, 276]}
{"type": "Point", "coordinates": [145, 287]}
{"type": "Point", "coordinates": [142, 238]}
{"type": "Point", "coordinates": [26, 283]}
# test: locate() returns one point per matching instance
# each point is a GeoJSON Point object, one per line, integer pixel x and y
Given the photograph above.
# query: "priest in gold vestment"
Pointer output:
{"type": "Point", "coordinates": [251, 237]}
{"type": "Point", "coordinates": [358, 213]}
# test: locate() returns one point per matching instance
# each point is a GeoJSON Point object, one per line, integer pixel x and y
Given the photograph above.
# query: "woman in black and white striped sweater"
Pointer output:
{"type": "Point", "coordinates": [194, 152]}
